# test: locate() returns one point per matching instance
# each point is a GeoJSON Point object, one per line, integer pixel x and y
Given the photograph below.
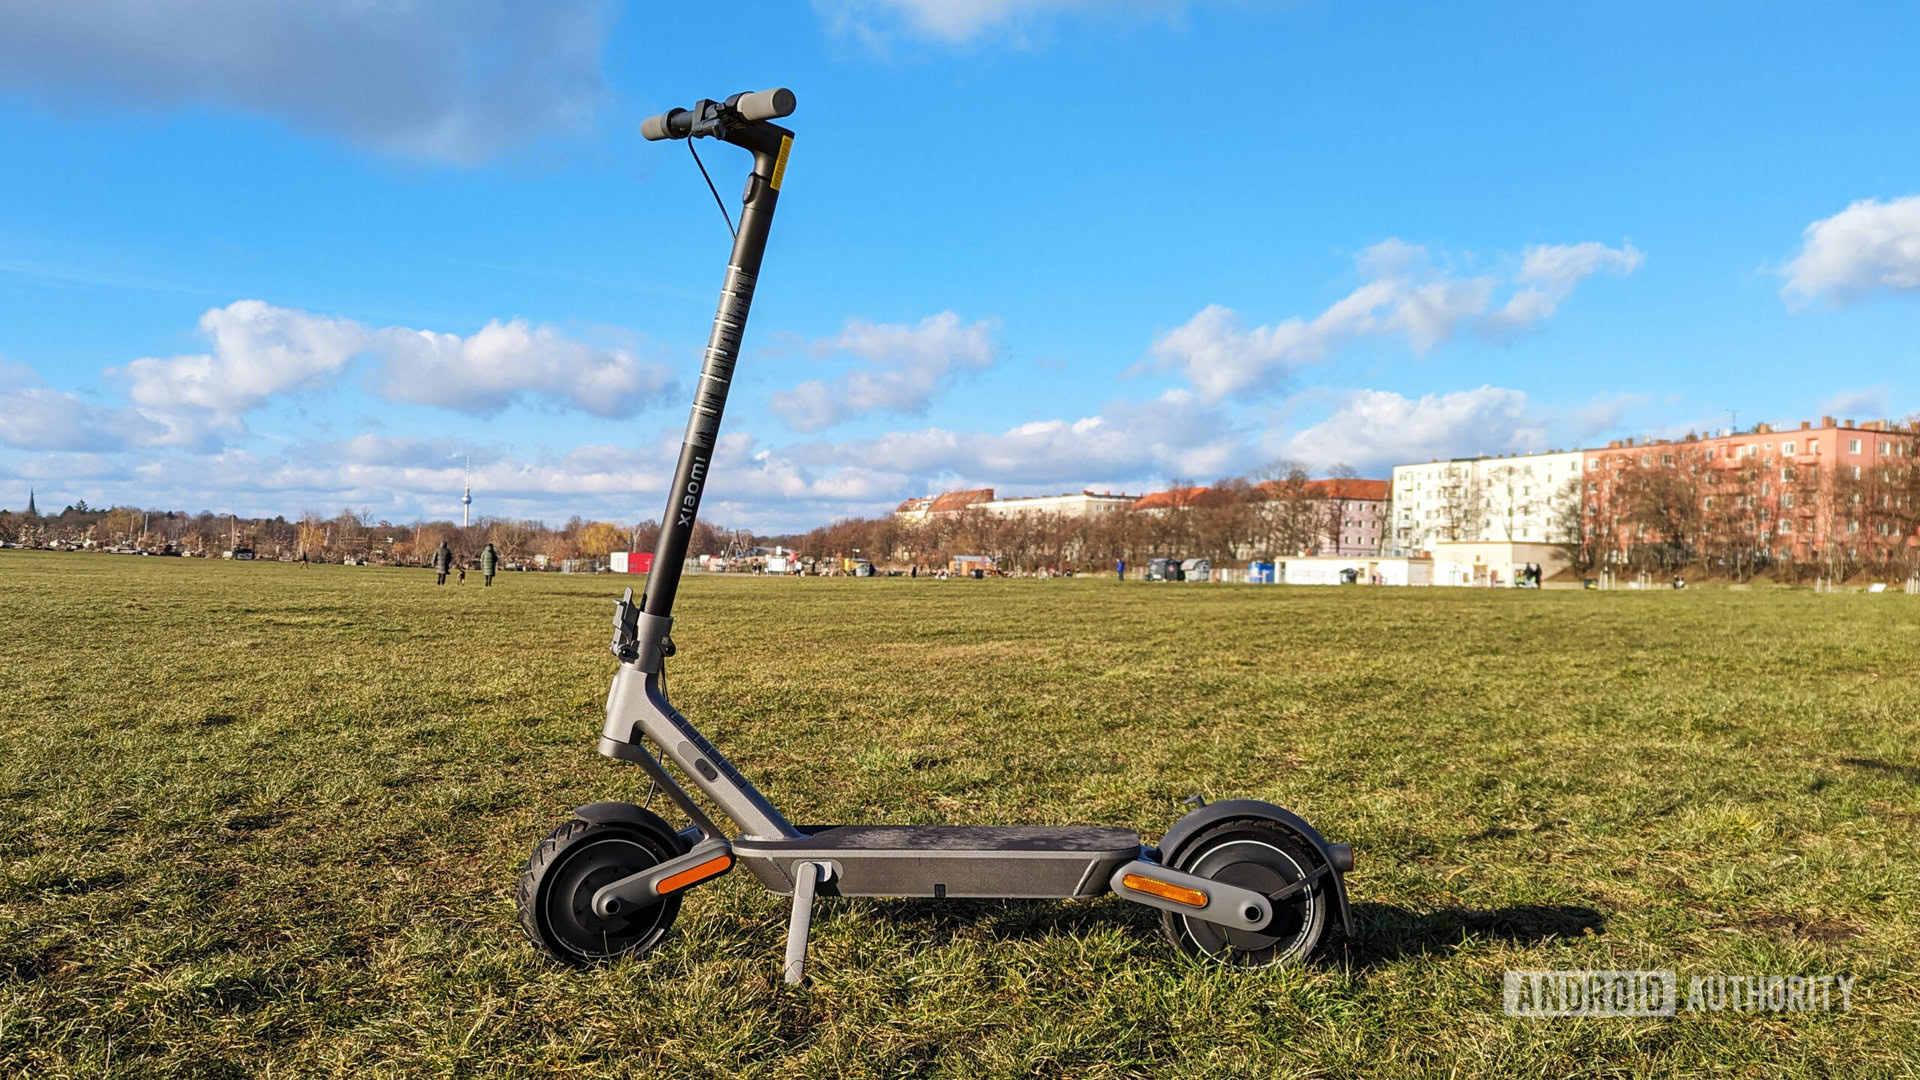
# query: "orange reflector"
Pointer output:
{"type": "Point", "coordinates": [695, 874]}
{"type": "Point", "coordinates": [1176, 893]}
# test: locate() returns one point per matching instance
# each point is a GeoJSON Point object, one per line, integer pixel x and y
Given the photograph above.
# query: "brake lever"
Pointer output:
{"type": "Point", "coordinates": [710, 119]}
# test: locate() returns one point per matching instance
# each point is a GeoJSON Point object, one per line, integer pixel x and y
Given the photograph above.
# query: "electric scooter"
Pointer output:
{"type": "Point", "coordinates": [1239, 882]}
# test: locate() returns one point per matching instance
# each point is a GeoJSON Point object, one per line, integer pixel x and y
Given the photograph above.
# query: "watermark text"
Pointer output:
{"type": "Point", "coordinates": [1613, 993]}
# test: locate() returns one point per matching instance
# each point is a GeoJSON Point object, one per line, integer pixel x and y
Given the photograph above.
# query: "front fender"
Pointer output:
{"type": "Point", "coordinates": [613, 813]}
{"type": "Point", "coordinates": [1212, 814]}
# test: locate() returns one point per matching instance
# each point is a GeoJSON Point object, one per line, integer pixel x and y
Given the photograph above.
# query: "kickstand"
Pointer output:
{"type": "Point", "coordinates": [806, 876]}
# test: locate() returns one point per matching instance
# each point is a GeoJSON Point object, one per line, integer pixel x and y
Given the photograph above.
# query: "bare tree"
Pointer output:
{"type": "Point", "coordinates": [1569, 513]}
{"type": "Point", "coordinates": [1338, 504]}
{"type": "Point", "coordinates": [1661, 503]}
{"type": "Point", "coordinates": [1462, 503]}
{"type": "Point", "coordinates": [512, 539]}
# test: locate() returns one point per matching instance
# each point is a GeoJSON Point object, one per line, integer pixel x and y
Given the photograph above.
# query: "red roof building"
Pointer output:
{"type": "Point", "coordinates": [960, 500]}
{"type": "Point", "coordinates": [1186, 496]}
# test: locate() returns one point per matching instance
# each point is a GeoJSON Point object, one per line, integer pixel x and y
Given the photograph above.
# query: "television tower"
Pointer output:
{"type": "Point", "coordinates": [466, 495]}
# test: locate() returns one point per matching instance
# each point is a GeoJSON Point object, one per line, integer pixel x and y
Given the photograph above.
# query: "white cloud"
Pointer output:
{"type": "Point", "coordinates": [260, 351]}
{"type": "Point", "coordinates": [1548, 273]}
{"type": "Point", "coordinates": [369, 448]}
{"type": "Point", "coordinates": [37, 418]}
{"type": "Point", "coordinates": [443, 79]}
{"type": "Point", "coordinates": [66, 469]}
{"type": "Point", "coordinates": [1126, 446]}
{"type": "Point", "coordinates": [504, 362]}
{"type": "Point", "coordinates": [401, 479]}
{"type": "Point", "coordinates": [1377, 429]}
{"type": "Point", "coordinates": [904, 367]}
{"type": "Point", "coordinates": [1870, 245]}
{"type": "Point", "coordinates": [1405, 295]}
{"type": "Point", "coordinates": [1221, 357]}
{"type": "Point", "coordinates": [1863, 402]}
{"type": "Point", "coordinates": [1126, 443]}
{"type": "Point", "coordinates": [1604, 413]}
{"type": "Point", "coordinates": [13, 375]}
{"type": "Point", "coordinates": [957, 22]}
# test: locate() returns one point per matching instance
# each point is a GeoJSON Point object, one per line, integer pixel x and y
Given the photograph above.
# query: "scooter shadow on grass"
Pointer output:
{"type": "Point", "coordinates": [935, 923]}
{"type": "Point", "coordinates": [1383, 934]}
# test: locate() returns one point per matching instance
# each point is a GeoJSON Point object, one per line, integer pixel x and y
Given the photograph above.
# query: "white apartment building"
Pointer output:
{"type": "Point", "coordinates": [1517, 499]}
{"type": "Point", "coordinates": [1072, 504]}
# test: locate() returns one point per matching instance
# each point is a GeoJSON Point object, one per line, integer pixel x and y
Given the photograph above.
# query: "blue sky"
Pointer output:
{"type": "Point", "coordinates": [276, 259]}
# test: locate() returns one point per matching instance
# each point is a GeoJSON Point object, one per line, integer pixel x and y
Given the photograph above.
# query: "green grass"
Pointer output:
{"type": "Point", "coordinates": [259, 820]}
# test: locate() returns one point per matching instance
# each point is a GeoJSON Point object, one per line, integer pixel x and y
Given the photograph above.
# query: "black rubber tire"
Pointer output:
{"type": "Point", "coordinates": [1264, 856]}
{"type": "Point", "coordinates": [570, 864]}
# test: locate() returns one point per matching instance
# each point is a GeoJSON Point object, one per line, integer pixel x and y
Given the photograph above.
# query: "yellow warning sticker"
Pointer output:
{"type": "Point", "coordinates": [780, 163]}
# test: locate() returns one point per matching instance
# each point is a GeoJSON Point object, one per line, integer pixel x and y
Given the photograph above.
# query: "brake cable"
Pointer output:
{"type": "Point", "coordinates": [717, 201]}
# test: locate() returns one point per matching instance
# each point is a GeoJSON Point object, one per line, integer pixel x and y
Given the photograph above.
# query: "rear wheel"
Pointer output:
{"type": "Point", "coordinates": [578, 859]}
{"type": "Point", "coordinates": [1266, 857]}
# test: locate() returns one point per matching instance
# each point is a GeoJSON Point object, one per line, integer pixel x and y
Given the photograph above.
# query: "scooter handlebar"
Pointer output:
{"type": "Point", "coordinates": [765, 104]}
{"type": "Point", "coordinates": [672, 124]}
{"type": "Point", "coordinates": [748, 108]}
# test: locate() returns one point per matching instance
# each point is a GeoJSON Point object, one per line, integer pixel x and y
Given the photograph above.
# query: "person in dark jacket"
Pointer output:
{"type": "Point", "coordinates": [489, 561]}
{"type": "Point", "coordinates": [442, 562]}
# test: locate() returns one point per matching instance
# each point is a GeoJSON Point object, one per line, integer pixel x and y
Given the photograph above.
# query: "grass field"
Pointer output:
{"type": "Point", "coordinates": [259, 820]}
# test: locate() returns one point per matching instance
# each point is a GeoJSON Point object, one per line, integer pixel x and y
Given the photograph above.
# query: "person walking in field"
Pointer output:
{"type": "Point", "coordinates": [442, 562]}
{"type": "Point", "coordinates": [489, 560]}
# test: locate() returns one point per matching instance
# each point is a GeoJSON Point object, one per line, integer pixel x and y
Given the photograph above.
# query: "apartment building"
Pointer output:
{"type": "Point", "coordinates": [1806, 494]}
{"type": "Point", "coordinates": [951, 502]}
{"type": "Point", "coordinates": [1516, 499]}
{"type": "Point", "coordinates": [1357, 514]}
{"type": "Point", "coordinates": [1074, 504]}
{"type": "Point", "coordinates": [1335, 516]}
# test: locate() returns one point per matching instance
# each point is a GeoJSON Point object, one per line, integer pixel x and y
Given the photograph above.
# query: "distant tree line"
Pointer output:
{"type": "Point", "coordinates": [1273, 512]}
{"type": "Point", "coordinates": [347, 535]}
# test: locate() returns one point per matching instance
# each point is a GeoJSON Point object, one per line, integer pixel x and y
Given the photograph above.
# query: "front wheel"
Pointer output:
{"type": "Point", "coordinates": [575, 861]}
{"type": "Point", "coordinates": [1266, 857]}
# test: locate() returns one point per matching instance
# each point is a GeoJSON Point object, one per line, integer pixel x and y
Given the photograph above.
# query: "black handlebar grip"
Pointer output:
{"type": "Point", "coordinates": [765, 104]}
{"type": "Point", "coordinates": [672, 124]}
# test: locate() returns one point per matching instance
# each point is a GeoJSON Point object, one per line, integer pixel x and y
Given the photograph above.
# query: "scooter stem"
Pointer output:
{"type": "Point", "coordinates": [769, 144]}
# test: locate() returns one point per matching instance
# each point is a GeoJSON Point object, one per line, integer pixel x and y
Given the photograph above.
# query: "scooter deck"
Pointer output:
{"type": "Point", "coordinates": [937, 861]}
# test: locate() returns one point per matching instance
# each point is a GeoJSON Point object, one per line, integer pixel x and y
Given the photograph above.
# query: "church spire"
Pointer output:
{"type": "Point", "coordinates": [32, 511]}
